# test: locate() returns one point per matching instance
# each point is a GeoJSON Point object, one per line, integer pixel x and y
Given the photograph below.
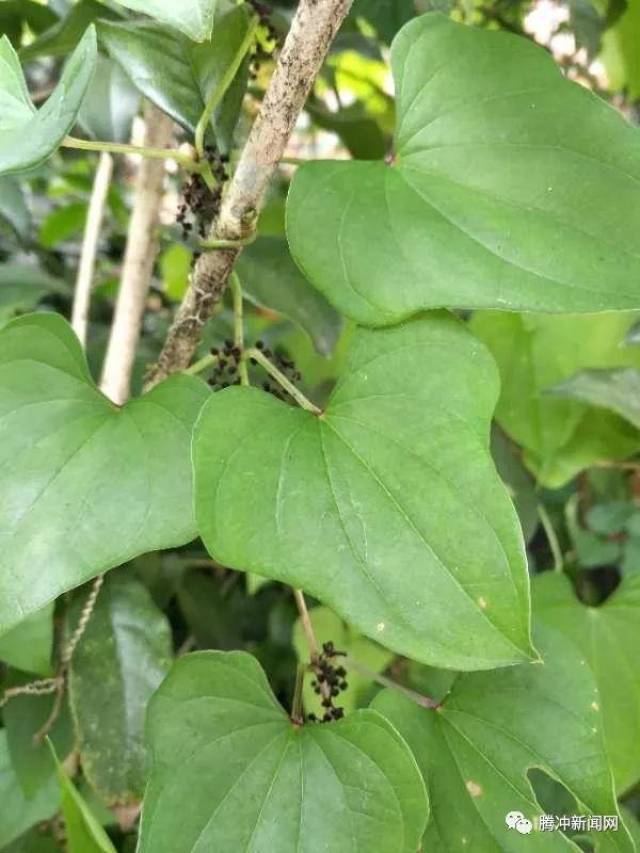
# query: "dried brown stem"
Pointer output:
{"type": "Point", "coordinates": [140, 255]}
{"type": "Point", "coordinates": [313, 28]}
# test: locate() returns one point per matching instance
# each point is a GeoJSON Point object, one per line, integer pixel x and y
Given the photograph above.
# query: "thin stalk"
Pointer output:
{"type": "Point", "coordinates": [307, 627]}
{"type": "Point", "coordinates": [418, 698]}
{"type": "Point", "coordinates": [282, 380]}
{"type": "Point", "coordinates": [297, 707]}
{"type": "Point", "coordinates": [228, 244]}
{"type": "Point", "coordinates": [238, 325]}
{"type": "Point", "coordinates": [294, 161]}
{"type": "Point", "coordinates": [554, 545]}
{"type": "Point", "coordinates": [123, 148]}
{"type": "Point", "coordinates": [198, 366]}
{"type": "Point", "coordinates": [220, 90]}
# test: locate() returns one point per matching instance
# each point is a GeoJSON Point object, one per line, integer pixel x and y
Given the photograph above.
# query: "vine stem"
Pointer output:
{"type": "Point", "coordinates": [238, 325]}
{"type": "Point", "coordinates": [307, 627]}
{"type": "Point", "coordinates": [149, 152]}
{"type": "Point", "coordinates": [198, 366]}
{"type": "Point", "coordinates": [89, 252]}
{"type": "Point", "coordinates": [297, 706]}
{"type": "Point", "coordinates": [554, 545]}
{"type": "Point", "coordinates": [282, 380]}
{"type": "Point", "coordinates": [221, 89]}
{"type": "Point", "coordinates": [312, 31]}
{"type": "Point", "coordinates": [383, 681]}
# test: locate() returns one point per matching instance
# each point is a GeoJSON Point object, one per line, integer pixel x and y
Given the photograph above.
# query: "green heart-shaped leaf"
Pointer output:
{"type": "Point", "coordinates": [29, 136]}
{"type": "Point", "coordinates": [476, 749]}
{"type": "Point", "coordinates": [230, 771]}
{"type": "Point", "coordinates": [513, 188]}
{"type": "Point", "coordinates": [29, 644]}
{"type": "Point", "coordinates": [387, 507]}
{"type": "Point", "coordinates": [608, 638]}
{"type": "Point", "coordinates": [84, 485]}
{"type": "Point", "coordinates": [192, 17]}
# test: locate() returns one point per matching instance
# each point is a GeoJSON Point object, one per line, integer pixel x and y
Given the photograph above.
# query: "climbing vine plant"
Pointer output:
{"type": "Point", "coordinates": [341, 551]}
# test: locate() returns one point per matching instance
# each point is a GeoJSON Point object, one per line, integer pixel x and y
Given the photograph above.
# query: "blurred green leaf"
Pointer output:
{"type": "Point", "coordinates": [535, 352]}
{"type": "Point", "coordinates": [110, 105]}
{"type": "Point", "coordinates": [28, 136]}
{"type": "Point", "coordinates": [63, 223]}
{"type": "Point", "coordinates": [24, 717]}
{"type": "Point", "coordinates": [64, 35]}
{"type": "Point", "coordinates": [124, 654]}
{"type": "Point", "coordinates": [23, 287]}
{"type": "Point", "coordinates": [175, 268]}
{"type": "Point", "coordinates": [28, 646]}
{"type": "Point", "coordinates": [519, 482]}
{"type": "Point", "coordinates": [385, 16]}
{"type": "Point", "coordinates": [272, 280]}
{"type": "Point", "coordinates": [13, 207]}
{"type": "Point", "coordinates": [611, 517]}
{"type": "Point", "coordinates": [617, 390]}
{"type": "Point", "coordinates": [18, 814]}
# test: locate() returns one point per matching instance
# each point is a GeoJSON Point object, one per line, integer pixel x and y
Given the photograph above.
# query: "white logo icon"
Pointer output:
{"type": "Point", "coordinates": [517, 821]}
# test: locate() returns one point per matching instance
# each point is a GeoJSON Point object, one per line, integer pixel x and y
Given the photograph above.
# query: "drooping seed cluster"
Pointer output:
{"type": "Point", "coordinates": [200, 205]}
{"type": "Point", "coordinates": [286, 366]}
{"type": "Point", "coordinates": [225, 372]}
{"type": "Point", "coordinates": [330, 681]}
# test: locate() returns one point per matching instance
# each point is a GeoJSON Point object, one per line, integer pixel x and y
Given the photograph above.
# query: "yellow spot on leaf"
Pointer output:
{"type": "Point", "coordinates": [473, 788]}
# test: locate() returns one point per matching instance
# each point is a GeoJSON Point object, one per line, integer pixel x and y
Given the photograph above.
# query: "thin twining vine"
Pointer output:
{"type": "Point", "coordinates": [57, 684]}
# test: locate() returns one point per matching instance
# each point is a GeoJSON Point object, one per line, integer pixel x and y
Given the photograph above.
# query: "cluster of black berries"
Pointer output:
{"type": "Point", "coordinates": [225, 372]}
{"type": "Point", "coordinates": [200, 205]}
{"type": "Point", "coordinates": [286, 366]}
{"type": "Point", "coordinates": [329, 683]}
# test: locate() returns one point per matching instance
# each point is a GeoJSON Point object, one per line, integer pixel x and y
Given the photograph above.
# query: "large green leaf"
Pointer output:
{"type": "Point", "coordinates": [29, 136]}
{"type": "Point", "coordinates": [609, 639]}
{"type": "Point", "coordinates": [329, 628]}
{"type": "Point", "coordinates": [492, 728]}
{"type": "Point", "coordinates": [176, 74]}
{"type": "Point", "coordinates": [271, 279]}
{"type": "Point", "coordinates": [230, 771]}
{"type": "Point", "coordinates": [83, 831]}
{"type": "Point", "coordinates": [28, 646]}
{"type": "Point", "coordinates": [193, 17]}
{"type": "Point", "coordinates": [617, 390]}
{"type": "Point", "coordinates": [387, 507]}
{"type": "Point", "coordinates": [84, 485]}
{"type": "Point", "coordinates": [18, 813]}
{"type": "Point", "coordinates": [124, 654]}
{"type": "Point", "coordinates": [536, 352]}
{"type": "Point", "coordinates": [513, 188]}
